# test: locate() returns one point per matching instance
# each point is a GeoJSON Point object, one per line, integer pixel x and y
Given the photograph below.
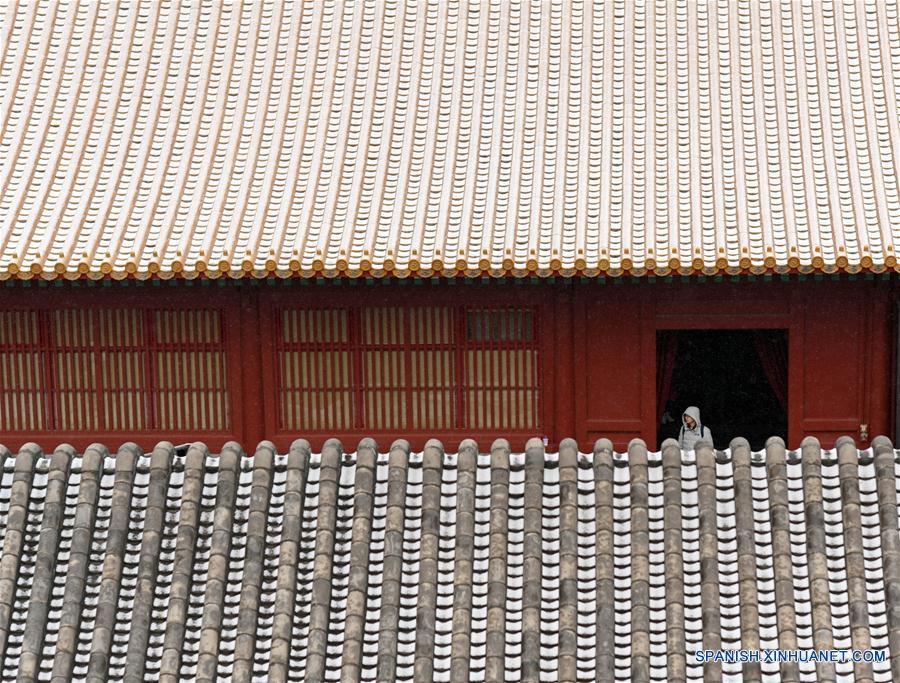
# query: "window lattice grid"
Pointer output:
{"type": "Point", "coordinates": [417, 368]}
{"type": "Point", "coordinates": [112, 370]}
{"type": "Point", "coordinates": [314, 364]}
{"type": "Point", "coordinates": [408, 367]}
{"type": "Point", "coordinates": [22, 372]}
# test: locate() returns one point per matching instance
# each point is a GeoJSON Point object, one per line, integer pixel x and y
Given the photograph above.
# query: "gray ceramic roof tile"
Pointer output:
{"type": "Point", "coordinates": [502, 565]}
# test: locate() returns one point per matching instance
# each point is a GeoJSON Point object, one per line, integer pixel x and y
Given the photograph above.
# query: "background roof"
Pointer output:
{"type": "Point", "coordinates": [448, 137]}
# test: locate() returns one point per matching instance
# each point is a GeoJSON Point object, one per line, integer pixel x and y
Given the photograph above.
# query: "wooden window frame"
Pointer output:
{"type": "Point", "coordinates": [460, 346]}
{"type": "Point", "coordinates": [458, 296]}
{"type": "Point", "coordinates": [148, 299]}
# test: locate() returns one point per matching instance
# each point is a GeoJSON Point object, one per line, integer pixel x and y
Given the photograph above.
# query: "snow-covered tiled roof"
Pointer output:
{"type": "Point", "coordinates": [467, 566]}
{"type": "Point", "coordinates": [421, 138]}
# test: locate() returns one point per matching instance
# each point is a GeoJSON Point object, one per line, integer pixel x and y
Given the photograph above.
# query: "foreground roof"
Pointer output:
{"type": "Point", "coordinates": [446, 138]}
{"type": "Point", "coordinates": [437, 566]}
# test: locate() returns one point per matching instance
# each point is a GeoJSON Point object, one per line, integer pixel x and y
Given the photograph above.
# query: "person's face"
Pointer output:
{"type": "Point", "coordinates": [689, 422]}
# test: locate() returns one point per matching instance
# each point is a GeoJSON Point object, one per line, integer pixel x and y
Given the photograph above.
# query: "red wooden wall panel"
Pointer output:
{"type": "Point", "coordinates": [833, 363]}
{"type": "Point", "coordinates": [596, 345]}
{"type": "Point", "coordinates": [846, 361]}
{"type": "Point", "coordinates": [880, 373]}
{"type": "Point", "coordinates": [185, 356]}
{"type": "Point", "coordinates": [611, 385]}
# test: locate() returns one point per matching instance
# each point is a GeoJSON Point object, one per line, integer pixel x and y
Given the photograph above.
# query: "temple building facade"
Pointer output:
{"type": "Point", "coordinates": [223, 359]}
{"type": "Point", "coordinates": [561, 220]}
{"type": "Point", "coordinates": [349, 341]}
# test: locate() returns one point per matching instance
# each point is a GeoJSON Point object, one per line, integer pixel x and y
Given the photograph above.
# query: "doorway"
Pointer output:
{"type": "Point", "coordinates": [738, 379]}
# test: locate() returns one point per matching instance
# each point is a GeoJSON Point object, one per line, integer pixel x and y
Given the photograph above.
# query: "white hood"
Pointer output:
{"type": "Point", "coordinates": [687, 438]}
{"type": "Point", "coordinates": [692, 412]}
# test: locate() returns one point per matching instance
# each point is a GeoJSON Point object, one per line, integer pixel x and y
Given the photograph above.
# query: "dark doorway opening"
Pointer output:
{"type": "Point", "coordinates": [738, 379]}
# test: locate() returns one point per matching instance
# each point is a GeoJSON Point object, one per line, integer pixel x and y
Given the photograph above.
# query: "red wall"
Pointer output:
{"type": "Point", "coordinates": [840, 340]}
{"type": "Point", "coordinates": [598, 349]}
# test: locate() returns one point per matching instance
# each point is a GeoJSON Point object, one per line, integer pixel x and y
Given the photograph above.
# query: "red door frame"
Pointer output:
{"type": "Point", "coordinates": [716, 307]}
{"type": "Point", "coordinates": [682, 306]}
{"type": "Point", "coordinates": [736, 322]}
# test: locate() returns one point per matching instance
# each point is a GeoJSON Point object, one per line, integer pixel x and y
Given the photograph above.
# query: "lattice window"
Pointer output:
{"type": "Point", "coordinates": [418, 368]}
{"type": "Point", "coordinates": [112, 370]}
{"type": "Point", "coordinates": [501, 369]}
{"type": "Point", "coordinates": [314, 369]}
{"type": "Point", "coordinates": [21, 372]}
{"type": "Point", "coordinates": [408, 368]}
{"type": "Point", "coordinates": [123, 358]}
{"type": "Point", "coordinates": [433, 367]}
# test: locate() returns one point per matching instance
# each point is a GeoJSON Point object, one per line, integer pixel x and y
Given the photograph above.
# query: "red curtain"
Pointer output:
{"type": "Point", "coordinates": [774, 358]}
{"type": "Point", "coordinates": [666, 348]}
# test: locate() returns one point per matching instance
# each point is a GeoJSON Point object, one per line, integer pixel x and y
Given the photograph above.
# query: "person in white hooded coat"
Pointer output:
{"type": "Point", "coordinates": [692, 430]}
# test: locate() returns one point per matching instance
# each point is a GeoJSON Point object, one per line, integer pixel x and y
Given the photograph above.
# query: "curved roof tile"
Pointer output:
{"type": "Point", "coordinates": [399, 565]}
{"type": "Point", "coordinates": [443, 138]}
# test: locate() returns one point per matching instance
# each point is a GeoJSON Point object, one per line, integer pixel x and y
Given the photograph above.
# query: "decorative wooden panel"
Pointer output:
{"type": "Point", "coordinates": [112, 370]}
{"type": "Point", "coordinates": [22, 372]}
{"type": "Point", "coordinates": [432, 368]}
{"type": "Point", "coordinates": [190, 370]}
{"type": "Point", "coordinates": [123, 369]}
{"type": "Point", "coordinates": [72, 356]}
{"type": "Point", "coordinates": [418, 368]}
{"type": "Point", "coordinates": [501, 369]}
{"type": "Point", "coordinates": [314, 381]}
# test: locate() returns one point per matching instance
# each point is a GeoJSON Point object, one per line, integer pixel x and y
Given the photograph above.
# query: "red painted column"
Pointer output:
{"type": "Point", "coordinates": [796, 366]}
{"type": "Point", "coordinates": [562, 369]}
{"type": "Point", "coordinates": [647, 374]}
{"type": "Point", "coordinates": [251, 420]}
{"type": "Point", "coordinates": [879, 370]}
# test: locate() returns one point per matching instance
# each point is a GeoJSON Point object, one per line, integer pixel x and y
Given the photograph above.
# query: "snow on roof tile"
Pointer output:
{"type": "Point", "coordinates": [396, 139]}
{"type": "Point", "coordinates": [437, 566]}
